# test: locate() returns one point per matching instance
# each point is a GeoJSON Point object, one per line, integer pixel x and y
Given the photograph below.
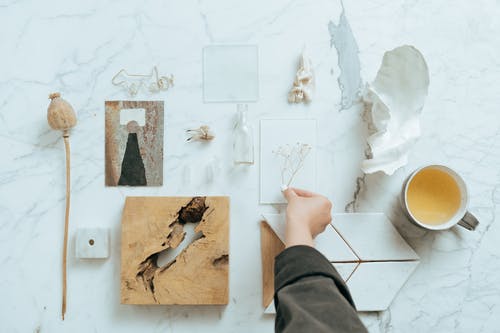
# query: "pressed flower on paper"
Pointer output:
{"type": "Point", "coordinates": [292, 161]}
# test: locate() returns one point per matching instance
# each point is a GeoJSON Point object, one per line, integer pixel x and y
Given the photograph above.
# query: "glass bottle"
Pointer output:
{"type": "Point", "coordinates": [243, 138]}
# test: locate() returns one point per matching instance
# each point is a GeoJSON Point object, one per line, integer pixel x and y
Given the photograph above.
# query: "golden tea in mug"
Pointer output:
{"type": "Point", "coordinates": [433, 196]}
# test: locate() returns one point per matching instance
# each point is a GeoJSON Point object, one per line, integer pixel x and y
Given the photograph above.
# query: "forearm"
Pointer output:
{"type": "Point", "coordinates": [310, 295]}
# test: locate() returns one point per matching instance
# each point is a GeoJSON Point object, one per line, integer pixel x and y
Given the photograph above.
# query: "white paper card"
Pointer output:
{"type": "Point", "coordinates": [231, 73]}
{"type": "Point", "coordinates": [275, 133]}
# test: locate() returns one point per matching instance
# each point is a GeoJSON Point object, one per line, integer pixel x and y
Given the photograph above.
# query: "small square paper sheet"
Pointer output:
{"type": "Point", "coordinates": [230, 73]}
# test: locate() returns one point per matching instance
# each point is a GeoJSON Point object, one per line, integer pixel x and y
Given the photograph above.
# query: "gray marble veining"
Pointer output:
{"type": "Point", "coordinates": [349, 79]}
{"type": "Point", "coordinates": [76, 48]}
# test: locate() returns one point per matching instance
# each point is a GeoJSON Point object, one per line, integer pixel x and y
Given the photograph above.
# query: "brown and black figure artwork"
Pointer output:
{"type": "Point", "coordinates": [134, 143]}
{"type": "Point", "coordinates": [153, 227]}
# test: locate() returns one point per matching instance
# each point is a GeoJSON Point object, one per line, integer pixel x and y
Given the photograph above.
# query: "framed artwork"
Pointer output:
{"type": "Point", "coordinates": [134, 143]}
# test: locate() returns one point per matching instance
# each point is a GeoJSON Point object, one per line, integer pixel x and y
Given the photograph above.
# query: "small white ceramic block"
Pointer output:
{"type": "Point", "coordinates": [92, 243]}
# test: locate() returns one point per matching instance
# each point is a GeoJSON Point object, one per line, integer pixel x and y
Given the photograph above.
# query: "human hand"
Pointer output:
{"type": "Point", "coordinates": [307, 215]}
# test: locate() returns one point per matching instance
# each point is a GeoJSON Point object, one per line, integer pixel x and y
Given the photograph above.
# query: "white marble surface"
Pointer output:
{"type": "Point", "coordinates": [77, 48]}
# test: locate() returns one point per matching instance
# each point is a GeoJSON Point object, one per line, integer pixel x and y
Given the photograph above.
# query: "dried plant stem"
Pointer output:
{"type": "Point", "coordinates": [62, 117]}
{"type": "Point", "coordinates": [293, 158]}
{"type": "Point", "coordinates": [66, 223]}
{"type": "Point", "coordinates": [295, 172]}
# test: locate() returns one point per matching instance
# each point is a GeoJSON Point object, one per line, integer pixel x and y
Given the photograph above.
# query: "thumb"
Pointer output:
{"type": "Point", "coordinates": [289, 193]}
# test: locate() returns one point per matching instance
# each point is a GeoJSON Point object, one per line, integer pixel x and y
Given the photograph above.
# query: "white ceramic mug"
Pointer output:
{"type": "Point", "coordinates": [462, 217]}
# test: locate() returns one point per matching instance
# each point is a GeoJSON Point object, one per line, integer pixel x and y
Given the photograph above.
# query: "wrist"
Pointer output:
{"type": "Point", "coordinates": [296, 221]}
{"type": "Point", "coordinates": [298, 234]}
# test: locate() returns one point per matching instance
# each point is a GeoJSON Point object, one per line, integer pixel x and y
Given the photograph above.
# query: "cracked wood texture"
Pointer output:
{"type": "Point", "coordinates": [199, 274]}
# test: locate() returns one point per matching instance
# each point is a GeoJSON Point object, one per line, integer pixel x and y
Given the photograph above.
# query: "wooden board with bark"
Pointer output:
{"type": "Point", "coordinates": [199, 274]}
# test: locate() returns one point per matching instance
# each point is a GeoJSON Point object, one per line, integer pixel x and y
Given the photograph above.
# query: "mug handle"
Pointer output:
{"type": "Point", "coordinates": [469, 221]}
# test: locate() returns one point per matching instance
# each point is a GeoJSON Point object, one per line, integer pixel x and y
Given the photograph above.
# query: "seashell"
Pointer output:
{"type": "Point", "coordinates": [303, 85]}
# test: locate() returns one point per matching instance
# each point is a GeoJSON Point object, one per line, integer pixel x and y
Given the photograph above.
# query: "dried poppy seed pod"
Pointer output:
{"type": "Point", "coordinates": [60, 114]}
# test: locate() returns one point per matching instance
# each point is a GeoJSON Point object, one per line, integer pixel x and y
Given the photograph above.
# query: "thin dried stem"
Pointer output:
{"type": "Point", "coordinates": [293, 158]}
{"type": "Point", "coordinates": [66, 223]}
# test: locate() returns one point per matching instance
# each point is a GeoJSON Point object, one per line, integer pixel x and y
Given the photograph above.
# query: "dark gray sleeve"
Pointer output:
{"type": "Point", "coordinates": [310, 295]}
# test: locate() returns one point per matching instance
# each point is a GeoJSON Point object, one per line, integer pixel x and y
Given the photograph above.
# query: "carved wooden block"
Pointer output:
{"type": "Point", "coordinates": [199, 274]}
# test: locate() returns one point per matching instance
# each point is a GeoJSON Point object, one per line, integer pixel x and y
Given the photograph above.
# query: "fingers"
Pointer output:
{"type": "Point", "coordinates": [329, 218]}
{"type": "Point", "coordinates": [303, 193]}
{"type": "Point", "coordinates": [289, 193]}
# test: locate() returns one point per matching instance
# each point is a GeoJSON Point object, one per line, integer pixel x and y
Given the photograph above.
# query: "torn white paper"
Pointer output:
{"type": "Point", "coordinates": [395, 100]}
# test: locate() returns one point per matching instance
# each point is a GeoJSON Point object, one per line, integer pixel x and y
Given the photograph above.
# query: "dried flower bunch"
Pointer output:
{"type": "Point", "coordinates": [202, 133]}
{"type": "Point", "coordinates": [293, 157]}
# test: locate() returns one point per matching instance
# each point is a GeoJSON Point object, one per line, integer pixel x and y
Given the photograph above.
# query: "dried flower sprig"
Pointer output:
{"type": "Point", "coordinates": [293, 157]}
{"type": "Point", "coordinates": [202, 133]}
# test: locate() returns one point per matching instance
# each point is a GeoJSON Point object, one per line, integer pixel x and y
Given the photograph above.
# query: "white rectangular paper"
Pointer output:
{"type": "Point", "coordinates": [278, 132]}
